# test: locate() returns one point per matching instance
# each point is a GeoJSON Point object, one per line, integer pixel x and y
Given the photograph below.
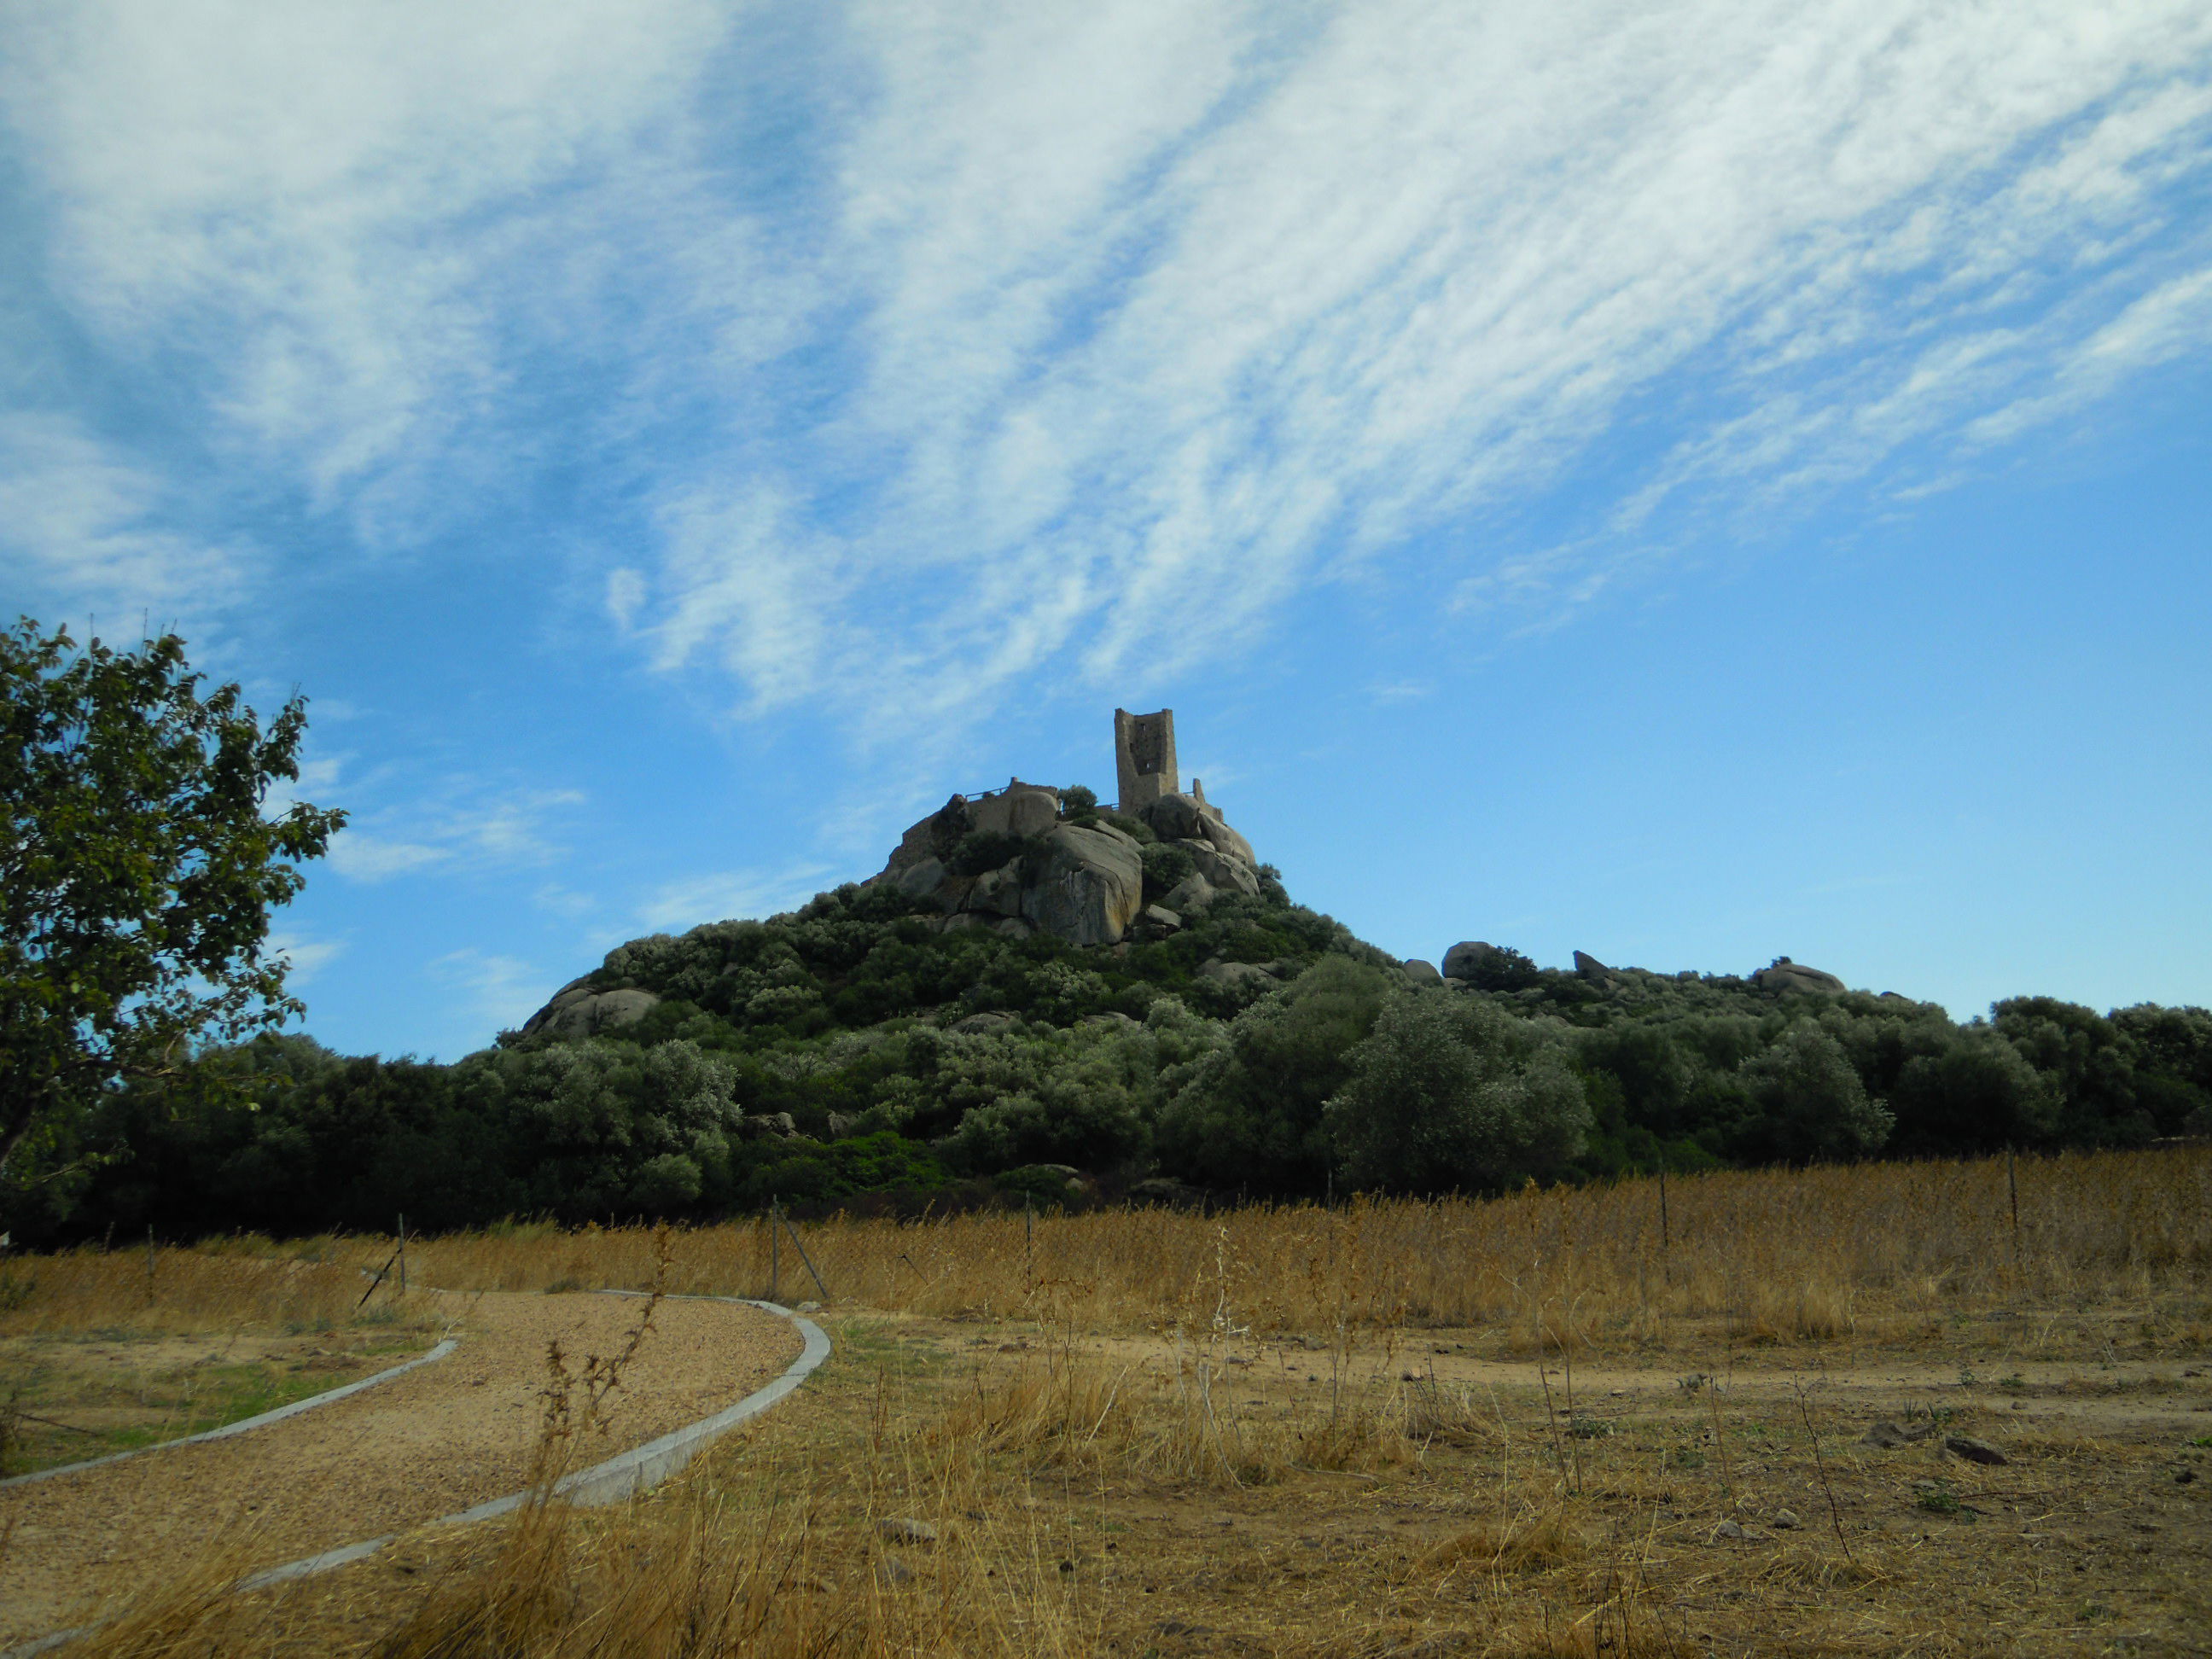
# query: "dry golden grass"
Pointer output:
{"type": "Point", "coordinates": [1083, 1416]}
{"type": "Point", "coordinates": [242, 1283]}
{"type": "Point", "coordinates": [1881, 1253]}
{"type": "Point", "coordinates": [1396, 1429]}
{"type": "Point", "coordinates": [178, 1350]}
{"type": "Point", "coordinates": [785, 1559]}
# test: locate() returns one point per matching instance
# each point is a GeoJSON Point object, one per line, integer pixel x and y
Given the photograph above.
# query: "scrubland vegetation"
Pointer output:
{"type": "Point", "coordinates": [834, 1058]}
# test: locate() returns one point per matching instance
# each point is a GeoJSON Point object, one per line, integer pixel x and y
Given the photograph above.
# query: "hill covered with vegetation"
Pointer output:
{"type": "Point", "coordinates": [888, 1045]}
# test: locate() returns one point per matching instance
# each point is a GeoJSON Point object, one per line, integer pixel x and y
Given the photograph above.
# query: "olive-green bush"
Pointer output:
{"type": "Point", "coordinates": [1332, 1071]}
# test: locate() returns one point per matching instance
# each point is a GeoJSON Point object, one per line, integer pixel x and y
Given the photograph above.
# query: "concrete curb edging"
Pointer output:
{"type": "Point", "coordinates": [228, 1429]}
{"type": "Point", "coordinates": [622, 1476]}
{"type": "Point", "coordinates": [619, 1477]}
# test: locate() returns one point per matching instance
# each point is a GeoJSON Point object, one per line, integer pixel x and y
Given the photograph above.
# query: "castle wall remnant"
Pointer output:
{"type": "Point", "coordinates": [1079, 876]}
{"type": "Point", "coordinates": [1145, 757]}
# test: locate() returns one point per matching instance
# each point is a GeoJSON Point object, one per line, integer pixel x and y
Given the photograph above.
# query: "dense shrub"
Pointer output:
{"type": "Point", "coordinates": [1249, 1112]}
{"type": "Point", "coordinates": [1503, 968]}
{"type": "Point", "coordinates": [843, 1014]}
{"type": "Point", "coordinates": [1449, 1092]}
{"type": "Point", "coordinates": [1809, 1101]}
{"type": "Point", "coordinates": [1167, 866]}
{"type": "Point", "coordinates": [980, 850]}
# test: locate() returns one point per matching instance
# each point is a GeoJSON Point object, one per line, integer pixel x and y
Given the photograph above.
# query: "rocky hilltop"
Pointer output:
{"type": "Point", "coordinates": [1025, 860]}
{"type": "Point", "coordinates": [1038, 998]}
{"type": "Point", "coordinates": [1036, 863]}
{"type": "Point", "coordinates": [1475, 963]}
{"type": "Point", "coordinates": [1032, 862]}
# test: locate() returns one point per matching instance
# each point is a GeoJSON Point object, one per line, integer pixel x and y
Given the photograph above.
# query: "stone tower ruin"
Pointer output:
{"type": "Point", "coordinates": [1145, 757]}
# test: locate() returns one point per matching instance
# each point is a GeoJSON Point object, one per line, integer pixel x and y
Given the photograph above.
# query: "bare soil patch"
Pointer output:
{"type": "Point", "coordinates": [1089, 1497]}
{"type": "Point", "coordinates": [1352, 1433]}
{"type": "Point", "coordinates": [429, 1443]}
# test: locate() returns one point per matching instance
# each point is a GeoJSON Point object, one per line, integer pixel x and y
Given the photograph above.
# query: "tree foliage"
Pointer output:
{"type": "Point", "coordinates": [835, 1054]}
{"type": "Point", "coordinates": [1449, 1092]}
{"type": "Point", "coordinates": [1248, 1114]}
{"type": "Point", "coordinates": [137, 867]}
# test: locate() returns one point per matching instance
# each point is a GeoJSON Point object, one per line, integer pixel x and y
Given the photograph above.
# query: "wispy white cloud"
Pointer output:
{"type": "Point", "coordinates": [626, 591]}
{"type": "Point", "coordinates": [501, 991]}
{"type": "Point", "coordinates": [724, 895]}
{"type": "Point", "coordinates": [83, 521]}
{"type": "Point", "coordinates": [1076, 337]}
{"type": "Point", "coordinates": [564, 901]}
{"type": "Point", "coordinates": [1390, 691]}
{"type": "Point", "coordinates": [323, 207]}
{"type": "Point", "coordinates": [307, 958]}
{"type": "Point", "coordinates": [469, 829]}
{"type": "Point", "coordinates": [1150, 344]}
{"type": "Point", "coordinates": [361, 856]}
{"type": "Point", "coordinates": [2172, 320]}
{"type": "Point", "coordinates": [510, 829]}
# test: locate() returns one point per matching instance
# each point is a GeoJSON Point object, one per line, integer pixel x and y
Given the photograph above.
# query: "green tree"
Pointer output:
{"type": "Point", "coordinates": [1977, 1095]}
{"type": "Point", "coordinates": [1250, 1112]}
{"type": "Point", "coordinates": [1811, 1103]}
{"type": "Point", "coordinates": [138, 868]}
{"type": "Point", "coordinates": [2088, 1059]}
{"type": "Point", "coordinates": [1451, 1092]}
{"type": "Point", "coordinates": [592, 1128]}
{"type": "Point", "coordinates": [2173, 1064]}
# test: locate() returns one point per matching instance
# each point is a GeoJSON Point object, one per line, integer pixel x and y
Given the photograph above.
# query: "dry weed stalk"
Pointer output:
{"type": "Point", "coordinates": [1820, 1465]}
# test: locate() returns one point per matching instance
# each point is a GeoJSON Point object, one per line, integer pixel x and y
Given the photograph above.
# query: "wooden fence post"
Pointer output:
{"type": "Point", "coordinates": [799, 1245]}
{"type": "Point", "coordinates": [2012, 1185]}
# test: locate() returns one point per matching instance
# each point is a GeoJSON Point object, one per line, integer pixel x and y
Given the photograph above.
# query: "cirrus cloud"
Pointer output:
{"type": "Point", "coordinates": [911, 348]}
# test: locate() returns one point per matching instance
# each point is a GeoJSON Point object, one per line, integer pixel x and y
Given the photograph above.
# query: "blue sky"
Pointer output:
{"type": "Point", "coordinates": [1689, 482]}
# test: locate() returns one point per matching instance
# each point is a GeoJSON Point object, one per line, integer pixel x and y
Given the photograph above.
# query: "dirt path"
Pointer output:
{"type": "Point", "coordinates": [2172, 1394]}
{"type": "Point", "coordinates": [434, 1442]}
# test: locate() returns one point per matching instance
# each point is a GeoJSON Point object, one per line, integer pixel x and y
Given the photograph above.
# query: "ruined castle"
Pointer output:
{"type": "Point", "coordinates": [1077, 874]}
{"type": "Point", "coordinates": [1145, 761]}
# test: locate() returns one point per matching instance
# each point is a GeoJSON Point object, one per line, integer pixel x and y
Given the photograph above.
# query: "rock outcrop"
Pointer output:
{"type": "Point", "coordinates": [1222, 871]}
{"type": "Point", "coordinates": [1468, 957]}
{"type": "Point", "coordinates": [935, 837]}
{"type": "Point", "coordinates": [1192, 820]}
{"type": "Point", "coordinates": [1175, 818]}
{"type": "Point", "coordinates": [1473, 962]}
{"type": "Point", "coordinates": [577, 1011]}
{"type": "Point", "coordinates": [998, 892]}
{"type": "Point", "coordinates": [1192, 893]}
{"type": "Point", "coordinates": [1787, 975]}
{"type": "Point", "coordinates": [1227, 840]}
{"type": "Point", "coordinates": [1249, 977]}
{"type": "Point", "coordinates": [1089, 886]}
{"type": "Point", "coordinates": [1591, 971]}
{"type": "Point", "coordinates": [1022, 810]}
{"type": "Point", "coordinates": [1082, 880]}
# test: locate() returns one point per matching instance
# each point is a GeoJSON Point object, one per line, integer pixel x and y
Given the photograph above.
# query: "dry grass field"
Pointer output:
{"type": "Point", "coordinates": [103, 1351]}
{"type": "Point", "coordinates": [1749, 1418]}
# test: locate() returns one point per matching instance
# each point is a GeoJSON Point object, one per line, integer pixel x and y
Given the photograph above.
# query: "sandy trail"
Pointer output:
{"type": "Point", "coordinates": [434, 1442]}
